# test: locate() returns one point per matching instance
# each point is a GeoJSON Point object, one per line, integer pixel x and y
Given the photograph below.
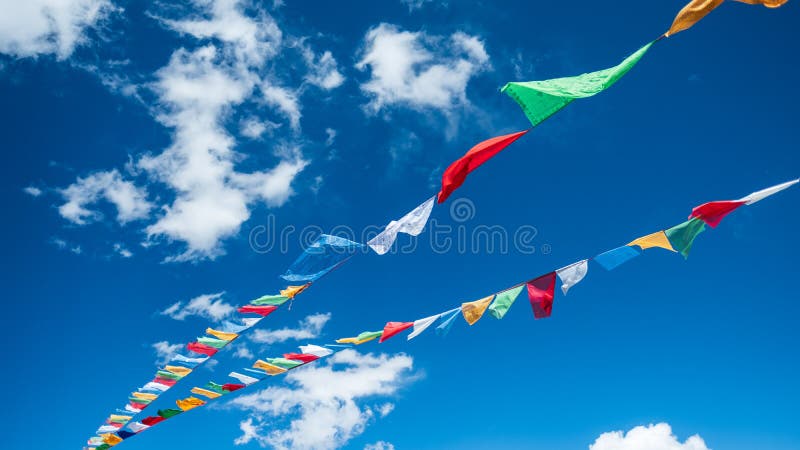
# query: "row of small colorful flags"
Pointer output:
{"type": "Point", "coordinates": [539, 100]}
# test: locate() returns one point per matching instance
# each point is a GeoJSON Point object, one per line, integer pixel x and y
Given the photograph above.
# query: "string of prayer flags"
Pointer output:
{"type": "Point", "coordinates": [473, 311]}
{"type": "Point", "coordinates": [421, 325]}
{"type": "Point", "coordinates": [612, 259]}
{"type": "Point", "coordinates": [503, 301]}
{"type": "Point", "coordinates": [712, 213]}
{"type": "Point", "coordinates": [392, 328]}
{"type": "Point", "coordinates": [455, 174]}
{"type": "Point", "coordinates": [541, 292]}
{"type": "Point", "coordinates": [764, 193]}
{"type": "Point", "coordinates": [572, 274]}
{"type": "Point", "coordinates": [448, 319]}
{"type": "Point", "coordinates": [695, 10]}
{"type": "Point", "coordinates": [682, 236]}
{"type": "Point", "coordinates": [320, 258]}
{"type": "Point", "coordinates": [189, 403]}
{"type": "Point", "coordinates": [361, 338]}
{"type": "Point", "coordinates": [657, 239]}
{"type": "Point", "coordinates": [412, 224]}
{"type": "Point", "coordinates": [541, 99]}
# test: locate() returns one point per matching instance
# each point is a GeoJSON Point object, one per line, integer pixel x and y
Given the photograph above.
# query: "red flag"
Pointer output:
{"type": "Point", "coordinates": [540, 293]}
{"type": "Point", "coordinates": [138, 405]}
{"type": "Point", "coordinates": [165, 381]}
{"type": "Point", "coordinates": [305, 357]}
{"type": "Point", "coordinates": [393, 328]}
{"type": "Point", "coordinates": [230, 387]}
{"type": "Point", "coordinates": [152, 420]}
{"type": "Point", "coordinates": [263, 311]}
{"type": "Point", "coordinates": [115, 425]}
{"type": "Point", "coordinates": [712, 213]}
{"type": "Point", "coordinates": [201, 348]}
{"type": "Point", "coordinates": [457, 172]}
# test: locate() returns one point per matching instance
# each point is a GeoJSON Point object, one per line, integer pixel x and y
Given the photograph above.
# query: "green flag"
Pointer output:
{"type": "Point", "coordinates": [274, 300]}
{"type": "Point", "coordinates": [168, 375]}
{"type": "Point", "coordinates": [284, 363]}
{"type": "Point", "coordinates": [214, 387]}
{"type": "Point", "coordinates": [167, 413]}
{"type": "Point", "coordinates": [212, 342]}
{"type": "Point", "coordinates": [682, 236]}
{"type": "Point", "coordinates": [503, 301]}
{"type": "Point", "coordinates": [541, 99]}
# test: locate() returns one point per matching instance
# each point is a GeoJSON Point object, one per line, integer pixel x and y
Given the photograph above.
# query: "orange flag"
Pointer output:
{"type": "Point", "coordinates": [473, 311]}
{"type": "Point", "coordinates": [697, 9]}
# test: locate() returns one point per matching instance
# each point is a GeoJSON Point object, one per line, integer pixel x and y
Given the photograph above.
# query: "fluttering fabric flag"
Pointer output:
{"type": "Point", "coordinates": [214, 387]}
{"type": "Point", "coordinates": [697, 9]}
{"type": "Point", "coordinates": [165, 381]}
{"type": "Point", "coordinates": [392, 328]}
{"type": "Point", "coordinates": [152, 420]}
{"type": "Point", "coordinates": [168, 375]}
{"type": "Point", "coordinates": [284, 362]}
{"type": "Point", "coordinates": [152, 386]}
{"type": "Point", "coordinates": [246, 379]}
{"type": "Point", "coordinates": [111, 439]}
{"type": "Point", "coordinates": [541, 291]}
{"type": "Point", "coordinates": [132, 408]}
{"type": "Point", "coordinates": [231, 327]}
{"type": "Point", "coordinates": [302, 357]}
{"type": "Point", "coordinates": [95, 441]}
{"type": "Point", "coordinates": [764, 193]}
{"type": "Point", "coordinates": [682, 236]}
{"type": "Point", "coordinates": [448, 319]}
{"type": "Point", "coordinates": [231, 387]}
{"type": "Point", "coordinates": [412, 224]}
{"type": "Point", "coordinates": [117, 418]}
{"type": "Point", "coordinates": [421, 325]}
{"type": "Point", "coordinates": [541, 99]}
{"type": "Point", "coordinates": [657, 239]}
{"type": "Point", "coordinates": [292, 291]}
{"type": "Point", "coordinates": [270, 369]}
{"type": "Point", "coordinates": [320, 258]}
{"type": "Point", "coordinates": [273, 300]}
{"type": "Point", "coordinates": [201, 348]}
{"type": "Point", "coordinates": [205, 392]}
{"type": "Point", "coordinates": [137, 427]}
{"type": "Point", "coordinates": [192, 362]}
{"type": "Point", "coordinates": [361, 338]}
{"type": "Point", "coordinates": [107, 429]}
{"type": "Point", "coordinates": [473, 311]}
{"type": "Point", "coordinates": [144, 395]}
{"type": "Point", "coordinates": [225, 336]}
{"type": "Point", "coordinates": [262, 311]}
{"type": "Point", "coordinates": [169, 412]}
{"type": "Point", "coordinates": [178, 370]}
{"type": "Point", "coordinates": [189, 403]}
{"type": "Point", "coordinates": [455, 174]}
{"type": "Point", "coordinates": [316, 350]}
{"type": "Point", "coordinates": [125, 434]}
{"type": "Point", "coordinates": [503, 301]}
{"type": "Point", "coordinates": [712, 213]}
{"type": "Point", "coordinates": [212, 342]}
{"type": "Point", "coordinates": [612, 259]}
{"type": "Point", "coordinates": [572, 274]}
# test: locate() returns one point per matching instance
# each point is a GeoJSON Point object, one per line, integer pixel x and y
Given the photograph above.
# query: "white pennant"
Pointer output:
{"type": "Point", "coordinates": [572, 274]}
{"type": "Point", "coordinates": [245, 379]}
{"type": "Point", "coordinates": [421, 325]}
{"type": "Point", "coordinates": [137, 427]}
{"type": "Point", "coordinates": [764, 193]}
{"type": "Point", "coordinates": [412, 223]}
{"type": "Point", "coordinates": [315, 350]}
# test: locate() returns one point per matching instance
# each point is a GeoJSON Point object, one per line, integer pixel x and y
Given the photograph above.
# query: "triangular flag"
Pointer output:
{"type": "Point", "coordinates": [137, 427]}
{"type": "Point", "coordinates": [247, 380]}
{"type": "Point", "coordinates": [712, 213]}
{"type": "Point", "coordinates": [270, 369]}
{"type": "Point", "coordinates": [292, 291]}
{"type": "Point", "coordinates": [189, 403]}
{"type": "Point", "coordinates": [572, 274]}
{"type": "Point", "coordinates": [695, 10]}
{"type": "Point", "coordinates": [225, 336]}
{"type": "Point", "coordinates": [421, 325]}
{"type": "Point", "coordinates": [412, 223]}
{"type": "Point", "coordinates": [541, 292]}
{"type": "Point", "coordinates": [503, 301]}
{"type": "Point", "coordinates": [657, 239]}
{"type": "Point", "coordinates": [764, 193]}
{"type": "Point", "coordinates": [361, 338]}
{"type": "Point", "coordinates": [303, 357]}
{"type": "Point", "coordinates": [316, 350]}
{"type": "Point", "coordinates": [541, 99]}
{"type": "Point", "coordinates": [270, 300]}
{"type": "Point", "coordinates": [392, 328]}
{"type": "Point", "coordinates": [473, 311]}
{"type": "Point", "coordinates": [682, 236]}
{"type": "Point", "coordinates": [615, 257]}
{"type": "Point", "coordinates": [262, 311]}
{"type": "Point", "coordinates": [455, 174]}
{"type": "Point", "coordinates": [205, 392]}
{"type": "Point", "coordinates": [448, 318]}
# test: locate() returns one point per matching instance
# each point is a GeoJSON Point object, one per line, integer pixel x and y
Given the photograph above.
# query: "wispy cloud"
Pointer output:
{"type": "Point", "coordinates": [208, 306]}
{"type": "Point", "coordinates": [308, 328]}
{"type": "Point", "coordinates": [165, 351]}
{"type": "Point", "coordinates": [33, 191]}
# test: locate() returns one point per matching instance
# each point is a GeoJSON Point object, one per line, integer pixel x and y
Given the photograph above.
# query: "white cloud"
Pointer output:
{"type": "Point", "coordinates": [308, 328]}
{"type": "Point", "coordinates": [122, 251]}
{"type": "Point", "coordinates": [131, 201]}
{"type": "Point", "coordinates": [325, 405]}
{"type": "Point", "coordinates": [286, 102]}
{"type": "Point", "coordinates": [254, 128]}
{"type": "Point", "coordinates": [209, 306]}
{"type": "Point", "coordinates": [241, 351]}
{"type": "Point", "coordinates": [418, 70]}
{"type": "Point", "coordinates": [33, 191]}
{"type": "Point", "coordinates": [29, 28]}
{"type": "Point", "coordinates": [380, 445]}
{"type": "Point", "coordinates": [331, 136]}
{"type": "Point", "coordinates": [651, 437]}
{"type": "Point", "coordinates": [414, 5]}
{"type": "Point", "coordinates": [165, 351]}
{"type": "Point", "coordinates": [62, 244]}
{"type": "Point", "coordinates": [324, 70]}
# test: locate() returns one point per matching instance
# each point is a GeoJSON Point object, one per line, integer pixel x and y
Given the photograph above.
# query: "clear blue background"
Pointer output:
{"type": "Point", "coordinates": [708, 345]}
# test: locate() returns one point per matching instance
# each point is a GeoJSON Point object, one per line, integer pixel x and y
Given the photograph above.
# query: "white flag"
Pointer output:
{"type": "Point", "coordinates": [421, 325]}
{"type": "Point", "coordinates": [764, 193]}
{"type": "Point", "coordinates": [315, 350]}
{"type": "Point", "coordinates": [572, 274]}
{"type": "Point", "coordinates": [412, 223]}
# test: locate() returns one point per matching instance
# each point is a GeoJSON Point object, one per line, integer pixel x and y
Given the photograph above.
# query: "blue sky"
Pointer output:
{"type": "Point", "coordinates": [147, 146]}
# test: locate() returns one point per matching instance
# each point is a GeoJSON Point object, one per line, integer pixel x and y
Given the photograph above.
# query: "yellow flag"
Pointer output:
{"type": "Point", "coordinates": [144, 395]}
{"type": "Point", "coordinates": [189, 403]}
{"type": "Point", "coordinates": [111, 439]}
{"type": "Point", "coordinates": [178, 370]}
{"type": "Point", "coordinates": [205, 392]}
{"type": "Point", "coordinates": [473, 311]}
{"type": "Point", "coordinates": [222, 335]}
{"type": "Point", "coordinates": [269, 368]}
{"type": "Point", "coordinates": [657, 239]}
{"type": "Point", "coordinates": [697, 9]}
{"type": "Point", "coordinates": [291, 291]}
